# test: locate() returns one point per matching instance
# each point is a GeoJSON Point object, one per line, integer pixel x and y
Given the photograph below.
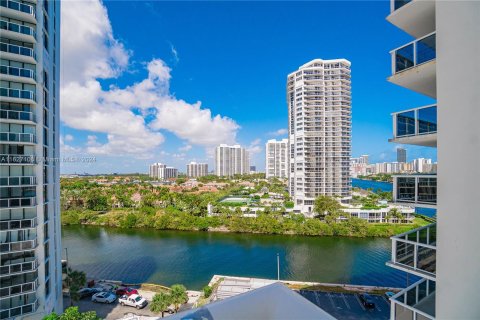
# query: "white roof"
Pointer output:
{"type": "Point", "coordinates": [271, 302]}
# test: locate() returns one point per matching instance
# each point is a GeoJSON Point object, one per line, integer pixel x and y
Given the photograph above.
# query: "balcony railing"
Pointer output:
{"type": "Point", "coordinates": [17, 93]}
{"type": "Point", "coordinates": [17, 137]}
{"type": "Point", "coordinates": [17, 115]}
{"type": "Point", "coordinates": [18, 181]}
{"type": "Point", "coordinates": [18, 159]}
{"type": "Point", "coordinates": [414, 122]}
{"type": "Point", "coordinates": [11, 48]}
{"type": "Point", "coordinates": [18, 311]}
{"type": "Point", "coordinates": [19, 289]}
{"type": "Point", "coordinates": [415, 251]}
{"type": "Point", "coordinates": [17, 268]}
{"type": "Point", "coordinates": [18, 246]}
{"type": "Point", "coordinates": [414, 53]}
{"type": "Point", "coordinates": [10, 26]}
{"type": "Point", "coordinates": [18, 202]}
{"type": "Point", "coordinates": [18, 224]}
{"type": "Point", "coordinates": [415, 302]}
{"type": "Point", "coordinates": [421, 189]}
{"type": "Point", "coordinates": [18, 72]}
{"type": "Point", "coordinates": [15, 5]}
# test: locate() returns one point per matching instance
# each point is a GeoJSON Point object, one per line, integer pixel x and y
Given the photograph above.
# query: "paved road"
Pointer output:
{"type": "Point", "coordinates": [348, 306]}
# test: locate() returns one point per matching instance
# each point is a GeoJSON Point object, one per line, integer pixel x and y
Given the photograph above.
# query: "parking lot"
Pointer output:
{"type": "Point", "coordinates": [116, 311]}
{"type": "Point", "coordinates": [348, 305]}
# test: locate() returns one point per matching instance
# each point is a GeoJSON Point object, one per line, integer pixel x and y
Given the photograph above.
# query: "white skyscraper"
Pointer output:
{"type": "Point", "coordinates": [276, 158]}
{"type": "Point", "coordinates": [231, 160]}
{"type": "Point", "coordinates": [30, 237]}
{"type": "Point", "coordinates": [195, 170]}
{"type": "Point", "coordinates": [441, 63]}
{"type": "Point", "coordinates": [160, 171]}
{"type": "Point", "coordinates": [319, 126]}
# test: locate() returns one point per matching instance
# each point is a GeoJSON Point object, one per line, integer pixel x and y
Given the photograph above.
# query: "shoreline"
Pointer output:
{"type": "Point", "coordinates": [225, 230]}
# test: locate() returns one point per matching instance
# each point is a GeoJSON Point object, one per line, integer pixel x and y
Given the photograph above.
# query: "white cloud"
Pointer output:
{"type": "Point", "coordinates": [90, 53]}
{"type": "Point", "coordinates": [279, 132]}
{"type": "Point", "coordinates": [185, 147]}
{"type": "Point", "coordinates": [67, 149]}
{"type": "Point", "coordinates": [68, 137]}
{"type": "Point", "coordinates": [255, 147]}
{"type": "Point", "coordinates": [174, 53]}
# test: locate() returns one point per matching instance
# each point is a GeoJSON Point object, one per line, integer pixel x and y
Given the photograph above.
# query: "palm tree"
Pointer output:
{"type": "Point", "coordinates": [75, 281]}
{"type": "Point", "coordinates": [178, 293]}
{"type": "Point", "coordinates": [160, 302]}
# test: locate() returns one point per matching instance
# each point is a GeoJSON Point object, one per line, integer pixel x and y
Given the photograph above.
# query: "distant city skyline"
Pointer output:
{"type": "Point", "coordinates": [175, 99]}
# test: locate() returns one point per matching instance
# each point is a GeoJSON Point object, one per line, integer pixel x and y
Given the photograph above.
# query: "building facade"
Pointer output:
{"type": "Point", "coordinates": [441, 63]}
{"type": "Point", "coordinates": [276, 158]}
{"type": "Point", "coordinates": [319, 129]}
{"type": "Point", "coordinates": [231, 160]}
{"type": "Point", "coordinates": [160, 171]}
{"type": "Point", "coordinates": [401, 155]}
{"type": "Point", "coordinates": [195, 170]}
{"type": "Point", "coordinates": [30, 237]}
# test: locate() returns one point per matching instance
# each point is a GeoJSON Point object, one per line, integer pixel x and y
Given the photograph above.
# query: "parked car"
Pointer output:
{"type": "Point", "coordinates": [367, 301]}
{"type": "Point", "coordinates": [126, 291]}
{"type": "Point", "coordinates": [133, 300]}
{"type": "Point", "coordinates": [88, 292]}
{"type": "Point", "coordinates": [104, 297]}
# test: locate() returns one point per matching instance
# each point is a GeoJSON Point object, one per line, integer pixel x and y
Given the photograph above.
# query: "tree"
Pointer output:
{"type": "Point", "coordinates": [207, 291]}
{"type": "Point", "coordinates": [178, 293]}
{"type": "Point", "coordinates": [72, 313]}
{"type": "Point", "coordinates": [160, 302]}
{"type": "Point", "coordinates": [325, 205]}
{"type": "Point", "coordinates": [75, 281]}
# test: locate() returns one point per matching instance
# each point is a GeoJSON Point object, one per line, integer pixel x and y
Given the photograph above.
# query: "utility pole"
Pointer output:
{"type": "Point", "coordinates": [278, 266]}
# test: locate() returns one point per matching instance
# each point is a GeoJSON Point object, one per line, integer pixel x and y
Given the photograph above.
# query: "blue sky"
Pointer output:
{"type": "Point", "coordinates": [233, 57]}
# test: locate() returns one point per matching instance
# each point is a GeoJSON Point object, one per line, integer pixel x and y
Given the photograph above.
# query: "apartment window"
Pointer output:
{"type": "Point", "coordinates": [45, 117]}
{"type": "Point", "coordinates": [45, 99]}
{"type": "Point", "coordinates": [45, 41]}
{"type": "Point", "coordinates": [45, 136]}
{"type": "Point", "coordinates": [46, 247]}
{"type": "Point", "coordinates": [47, 288]}
{"type": "Point", "coordinates": [46, 235]}
{"type": "Point", "coordinates": [45, 79]}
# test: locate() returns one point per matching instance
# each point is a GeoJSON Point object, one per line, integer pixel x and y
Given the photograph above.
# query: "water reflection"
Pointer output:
{"type": "Point", "coordinates": [192, 258]}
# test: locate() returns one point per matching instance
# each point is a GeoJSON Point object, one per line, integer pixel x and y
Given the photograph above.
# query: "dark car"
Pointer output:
{"type": "Point", "coordinates": [367, 301]}
{"type": "Point", "coordinates": [87, 292]}
{"type": "Point", "coordinates": [126, 291]}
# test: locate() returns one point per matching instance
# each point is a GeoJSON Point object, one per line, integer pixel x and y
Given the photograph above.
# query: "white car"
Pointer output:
{"type": "Point", "coordinates": [133, 300]}
{"type": "Point", "coordinates": [104, 297]}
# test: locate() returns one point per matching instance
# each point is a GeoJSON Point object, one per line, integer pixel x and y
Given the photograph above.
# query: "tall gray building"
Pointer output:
{"type": "Point", "coordinates": [319, 130]}
{"type": "Point", "coordinates": [30, 237]}
{"type": "Point", "coordinates": [401, 155]}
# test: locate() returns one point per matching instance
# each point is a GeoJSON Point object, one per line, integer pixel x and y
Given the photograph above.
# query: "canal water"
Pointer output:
{"type": "Point", "coordinates": [370, 184]}
{"type": "Point", "coordinates": [192, 258]}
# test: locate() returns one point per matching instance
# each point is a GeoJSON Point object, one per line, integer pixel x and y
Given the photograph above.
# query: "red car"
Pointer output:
{"type": "Point", "coordinates": [126, 291]}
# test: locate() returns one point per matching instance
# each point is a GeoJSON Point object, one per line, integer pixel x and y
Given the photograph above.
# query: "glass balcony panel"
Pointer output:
{"type": "Point", "coordinates": [426, 49]}
{"type": "Point", "coordinates": [423, 236]}
{"type": "Point", "coordinates": [405, 254]}
{"type": "Point", "coordinates": [14, 5]}
{"type": "Point", "coordinates": [426, 259]}
{"type": "Point", "coordinates": [411, 297]}
{"type": "Point", "coordinates": [406, 123]}
{"type": "Point", "coordinates": [400, 3]}
{"type": "Point", "coordinates": [404, 58]}
{"type": "Point", "coordinates": [427, 190]}
{"type": "Point", "coordinates": [405, 189]}
{"type": "Point", "coordinates": [427, 120]}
